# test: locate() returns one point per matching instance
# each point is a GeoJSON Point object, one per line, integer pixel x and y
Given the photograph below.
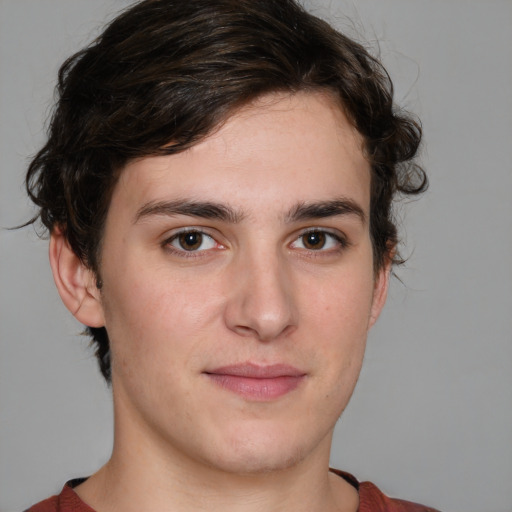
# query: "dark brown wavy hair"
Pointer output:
{"type": "Point", "coordinates": [165, 73]}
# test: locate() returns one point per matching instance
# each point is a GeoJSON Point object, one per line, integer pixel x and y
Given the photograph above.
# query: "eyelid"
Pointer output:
{"type": "Point", "coordinates": [175, 233]}
{"type": "Point", "coordinates": [338, 236]}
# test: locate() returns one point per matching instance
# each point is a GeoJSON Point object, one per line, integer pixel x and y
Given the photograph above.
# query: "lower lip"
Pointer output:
{"type": "Point", "coordinates": [258, 389]}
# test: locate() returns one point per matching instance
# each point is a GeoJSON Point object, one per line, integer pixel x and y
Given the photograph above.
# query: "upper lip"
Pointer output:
{"type": "Point", "coordinates": [255, 371]}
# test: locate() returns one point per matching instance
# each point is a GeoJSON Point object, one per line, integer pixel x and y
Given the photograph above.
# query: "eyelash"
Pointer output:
{"type": "Point", "coordinates": [341, 242]}
{"type": "Point", "coordinates": [167, 244]}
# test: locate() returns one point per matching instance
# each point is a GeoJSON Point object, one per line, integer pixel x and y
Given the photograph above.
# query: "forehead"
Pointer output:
{"type": "Point", "coordinates": [281, 149]}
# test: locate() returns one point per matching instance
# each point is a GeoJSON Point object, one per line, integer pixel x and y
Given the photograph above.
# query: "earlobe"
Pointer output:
{"type": "Point", "coordinates": [380, 292]}
{"type": "Point", "coordinates": [75, 282]}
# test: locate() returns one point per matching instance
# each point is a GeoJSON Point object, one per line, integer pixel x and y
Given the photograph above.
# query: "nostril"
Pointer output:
{"type": "Point", "coordinates": [245, 331]}
{"type": "Point", "coordinates": [263, 334]}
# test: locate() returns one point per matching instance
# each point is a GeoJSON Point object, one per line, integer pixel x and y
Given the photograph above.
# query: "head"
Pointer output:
{"type": "Point", "coordinates": [166, 74]}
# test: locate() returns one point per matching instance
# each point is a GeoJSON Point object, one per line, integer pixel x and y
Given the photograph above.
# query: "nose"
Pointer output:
{"type": "Point", "coordinates": [261, 301]}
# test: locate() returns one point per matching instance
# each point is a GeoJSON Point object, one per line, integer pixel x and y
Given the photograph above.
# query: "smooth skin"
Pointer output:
{"type": "Point", "coordinates": [252, 247]}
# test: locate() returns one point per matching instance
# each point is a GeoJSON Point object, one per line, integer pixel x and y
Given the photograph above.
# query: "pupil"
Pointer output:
{"type": "Point", "coordinates": [191, 241]}
{"type": "Point", "coordinates": [314, 240]}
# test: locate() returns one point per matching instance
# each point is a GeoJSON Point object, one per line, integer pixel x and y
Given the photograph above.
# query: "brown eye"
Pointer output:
{"type": "Point", "coordinates": [319, 240]}
{"type": "Point", "coordinates": [314, 240]}
{"type": "Point", "coordinates": [190, 241]}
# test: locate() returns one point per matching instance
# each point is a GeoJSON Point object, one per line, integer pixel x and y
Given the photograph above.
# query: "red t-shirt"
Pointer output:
{"type": "Point", "coordinates": [371, 499]}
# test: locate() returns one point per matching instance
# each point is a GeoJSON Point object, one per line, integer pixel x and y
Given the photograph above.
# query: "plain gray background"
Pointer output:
{"type": "Point", "coordinates": [431, 418]}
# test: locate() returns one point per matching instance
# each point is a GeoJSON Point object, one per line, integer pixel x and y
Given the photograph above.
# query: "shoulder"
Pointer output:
{"type": "Point", "coordinates": [372, 499]}
{"type": "Point", "coordinates": [66, 501]}
{"type": "Point", "coordinates": [48, 505]}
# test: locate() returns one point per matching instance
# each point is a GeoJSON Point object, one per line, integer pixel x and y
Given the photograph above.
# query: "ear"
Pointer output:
{"type": "Point", "coordinates": [75, 282]}
{"type": "Point", "coordinates": [380, 291]}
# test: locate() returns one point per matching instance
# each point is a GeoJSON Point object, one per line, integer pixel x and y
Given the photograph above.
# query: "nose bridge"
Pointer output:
{"type": "Point", "coordinates": [262, 304]}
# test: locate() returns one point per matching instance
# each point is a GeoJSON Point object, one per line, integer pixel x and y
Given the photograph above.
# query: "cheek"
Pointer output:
{"type": "Point", "coordinates": [341, 304]}
{"type": "Point", "coordinates": [155, 318]}
{"type": "Point", "coordinates": [338, 319]}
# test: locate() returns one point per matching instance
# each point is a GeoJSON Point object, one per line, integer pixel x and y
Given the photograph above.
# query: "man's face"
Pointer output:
{"type": "Point", "coordinates": [238, 288]}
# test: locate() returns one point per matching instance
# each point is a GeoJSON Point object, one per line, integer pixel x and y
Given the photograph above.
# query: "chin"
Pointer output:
{"type": "Point", "coordinates": [260, 454]}
{"type": "Point", "coordinates": [258, 463]}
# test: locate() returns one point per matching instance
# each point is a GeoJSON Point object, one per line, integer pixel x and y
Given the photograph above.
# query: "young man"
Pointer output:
{"type": "Point", "coordinates": [217, 184]}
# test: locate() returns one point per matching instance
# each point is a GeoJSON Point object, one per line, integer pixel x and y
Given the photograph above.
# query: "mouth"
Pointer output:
{"type": "Point", "coordinates": [257, 383]}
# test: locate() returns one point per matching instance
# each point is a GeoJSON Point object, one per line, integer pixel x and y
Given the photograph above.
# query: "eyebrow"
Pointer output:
{"type": "Point", "coordinates": [211, 210]}
{"type": "Point", "coordinates": [323, 209]}
{"type": "Point", "coordinates": [201, 209]}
